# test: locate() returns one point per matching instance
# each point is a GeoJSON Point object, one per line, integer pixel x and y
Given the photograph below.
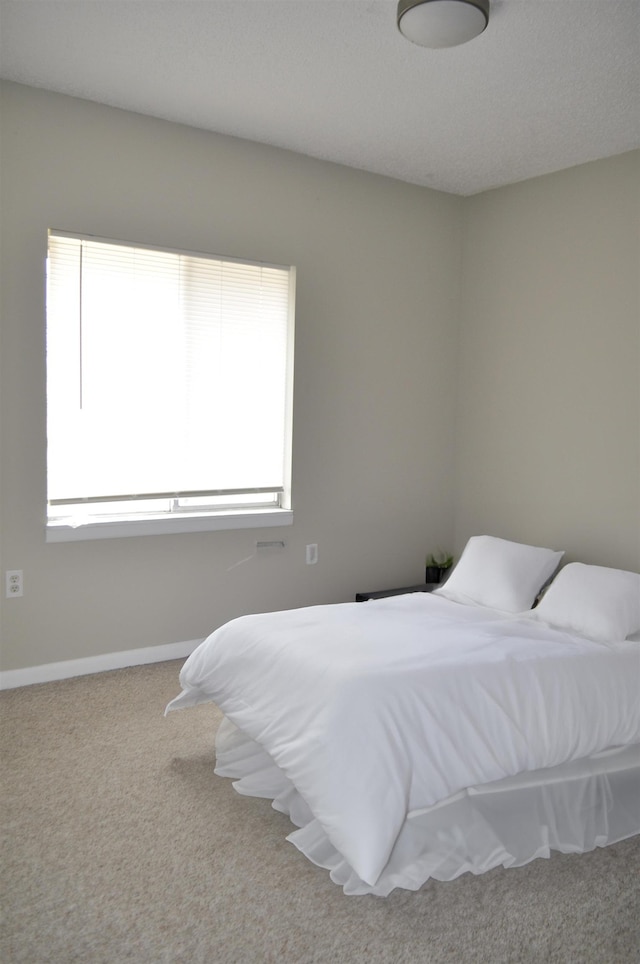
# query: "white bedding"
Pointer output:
{"type": "Point", "coordinates": [377, 710]}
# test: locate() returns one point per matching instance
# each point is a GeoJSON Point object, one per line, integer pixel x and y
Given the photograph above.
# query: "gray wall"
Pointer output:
{"type": "Point", "coordinates": [462, 366]}
{"type": "Point", "coordinates": [377, 313]}
{"type": "Point", "coordinates": [548, 436]}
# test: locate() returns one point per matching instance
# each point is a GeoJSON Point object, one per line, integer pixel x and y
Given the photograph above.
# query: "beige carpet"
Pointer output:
{"type": "Point", "coordinates": [120, 844]}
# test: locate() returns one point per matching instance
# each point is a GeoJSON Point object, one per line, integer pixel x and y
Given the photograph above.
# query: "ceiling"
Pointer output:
{"type": "Point", "coordinates": [549, 84]}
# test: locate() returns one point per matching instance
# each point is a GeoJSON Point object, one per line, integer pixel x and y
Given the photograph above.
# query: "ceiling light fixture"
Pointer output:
{"type": "Point", "coordinates": [442, 23]}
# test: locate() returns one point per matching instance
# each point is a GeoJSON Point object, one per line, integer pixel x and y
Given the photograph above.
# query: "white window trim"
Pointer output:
{"type": "Point", "coordinates": [66, 529]}
{"type": "Point", "coordinates": [157, 525]}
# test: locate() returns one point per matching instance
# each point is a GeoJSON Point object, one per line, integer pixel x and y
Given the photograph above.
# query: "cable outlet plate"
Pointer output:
{"type": "Point", "coordinates": [312, 554]}
{"type": "Point", "coordinates": [14, 585]}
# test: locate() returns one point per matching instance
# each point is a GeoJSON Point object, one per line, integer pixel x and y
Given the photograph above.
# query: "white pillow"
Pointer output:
{"type": "Point", "coordinates": [593, 601]}
{"type": "Point", "coordinates": [500, 574]}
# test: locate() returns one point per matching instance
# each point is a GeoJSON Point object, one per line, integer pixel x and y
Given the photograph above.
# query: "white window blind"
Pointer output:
{"type": "Point", "coordinates": [169, 376]}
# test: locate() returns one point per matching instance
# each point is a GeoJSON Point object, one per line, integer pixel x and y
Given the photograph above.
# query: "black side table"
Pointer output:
{"type": "Point", "coordinates": [381, 593]}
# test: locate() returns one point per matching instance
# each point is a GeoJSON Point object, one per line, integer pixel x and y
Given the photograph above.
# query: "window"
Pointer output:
{"type": "Point", "coordinates": [169, 390]}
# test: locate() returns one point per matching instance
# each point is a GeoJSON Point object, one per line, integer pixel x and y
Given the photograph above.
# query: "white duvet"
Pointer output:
{"type": "Point", "coordinates": [377, 709]}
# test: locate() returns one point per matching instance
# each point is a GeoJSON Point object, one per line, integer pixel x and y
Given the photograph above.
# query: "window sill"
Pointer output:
{"type": "Point", "coordinates": [119, 527]}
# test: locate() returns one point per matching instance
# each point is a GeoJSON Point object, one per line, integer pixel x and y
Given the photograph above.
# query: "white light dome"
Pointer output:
{"type": "Point", "coordinates": [442, 23]}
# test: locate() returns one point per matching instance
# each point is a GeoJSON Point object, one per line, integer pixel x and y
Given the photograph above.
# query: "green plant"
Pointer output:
{"type": "Point", "coordinates": [439, 560]}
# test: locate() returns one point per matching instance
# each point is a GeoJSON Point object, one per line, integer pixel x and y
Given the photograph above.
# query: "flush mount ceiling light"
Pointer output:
{"type": "Point", "coordinates": [442, 23]}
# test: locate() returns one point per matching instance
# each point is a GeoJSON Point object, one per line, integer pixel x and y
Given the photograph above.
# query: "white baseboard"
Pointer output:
{"type": "Point", "coordinates": [49, 672]}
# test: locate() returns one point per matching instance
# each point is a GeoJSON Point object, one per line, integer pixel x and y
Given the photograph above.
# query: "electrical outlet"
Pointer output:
{"type": "Point", "coordinates": [312, 554]}
{"type": "Point", "coordinates": [13, 583]}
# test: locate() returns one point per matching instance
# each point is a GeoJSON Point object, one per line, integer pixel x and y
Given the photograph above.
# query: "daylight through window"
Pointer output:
{"type": "Point", "coordinates": [169, 382]}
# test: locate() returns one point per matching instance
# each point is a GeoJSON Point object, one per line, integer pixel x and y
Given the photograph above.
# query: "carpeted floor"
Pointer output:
{"type": "Point", "coordinates": [120, 844]}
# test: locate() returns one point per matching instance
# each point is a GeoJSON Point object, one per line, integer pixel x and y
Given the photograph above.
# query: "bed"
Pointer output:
{"type": "Point", "coordinates": [430, 734]}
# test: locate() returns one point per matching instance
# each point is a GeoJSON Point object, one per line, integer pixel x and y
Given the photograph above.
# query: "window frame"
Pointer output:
{"type": "Point", "coordinates": [184, 513]}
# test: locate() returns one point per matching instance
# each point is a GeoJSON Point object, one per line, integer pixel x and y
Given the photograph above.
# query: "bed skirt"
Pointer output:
{"type": "Point", "coordinates": [571, 809]}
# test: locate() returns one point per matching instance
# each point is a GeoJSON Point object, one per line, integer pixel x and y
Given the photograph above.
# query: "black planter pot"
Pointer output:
{"type": "Point", "coordinates": [432, 574]}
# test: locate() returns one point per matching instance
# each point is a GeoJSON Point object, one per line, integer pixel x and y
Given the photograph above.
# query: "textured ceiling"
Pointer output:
{"type": "Point", "coordinates": [550, 84]}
